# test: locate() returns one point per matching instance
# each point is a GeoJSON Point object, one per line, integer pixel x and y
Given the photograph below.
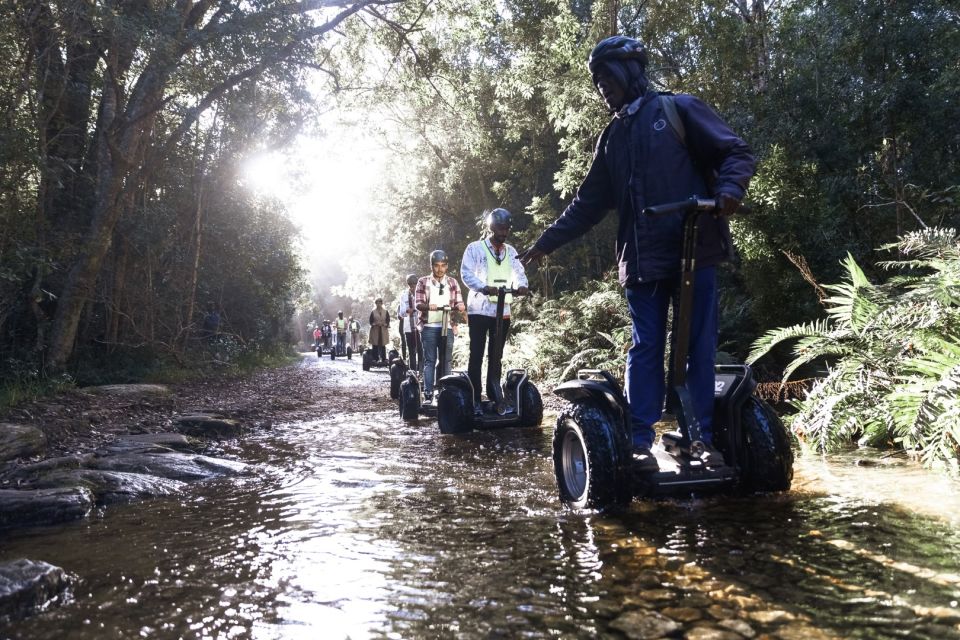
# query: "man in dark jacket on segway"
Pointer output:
{"type": "Point", "coordinates": [645, 157]}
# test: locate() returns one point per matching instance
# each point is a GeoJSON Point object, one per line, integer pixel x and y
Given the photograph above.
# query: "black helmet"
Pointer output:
{"type": "Point", "coordinates": [498, 216]}
{"type": "Point", "coordinates": [412, 279]}
{"type": "Point", "coordinates": [438, 255]}
{"type": "Point", "coordinates": [617, 48]}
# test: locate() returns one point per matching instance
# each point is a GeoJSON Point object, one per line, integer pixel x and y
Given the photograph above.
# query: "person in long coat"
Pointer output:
{"type": "Point", "coordinates": [379, 330]}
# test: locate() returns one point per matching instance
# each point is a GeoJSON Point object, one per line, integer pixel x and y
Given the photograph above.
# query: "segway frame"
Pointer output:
{"type": "Point", "coordinates": [455, 404]}
{"type": "Point", "coordinates": [592, 447]}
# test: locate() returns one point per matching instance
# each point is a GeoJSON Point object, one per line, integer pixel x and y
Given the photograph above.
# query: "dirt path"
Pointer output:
{"type": "Point", "coordinates": [82, 420]}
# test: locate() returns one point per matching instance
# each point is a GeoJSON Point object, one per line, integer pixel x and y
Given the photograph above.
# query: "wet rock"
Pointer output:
{"type": "Point", "coordinates": [948, 615]}
{"type": "Point", "coordinates": [43, 506]}
{"type": "Point", "coordinates": [683, 614]}
{"type": "Point", "coordinates": [176, 466]}
{"type": "Point", "coordinates": [738, 626]}
{"type": "Point", "coordinates": [109, 487]}
{"type": "Point", "coordinates": [130, 390]}
{"type": "Point", "coordinates": [20, 441]}
{"type": "Point", "coordinates": [148, 443]}
{"type": "Point", "coordinates": [26, 473]}
{"type": "Point", "coordinates": [711, 633]}
{"type": "Point", "coordinates": [210, 426]}
{"type": "Point", "coordinates": [175, 441]}
{"type": "Point", "coordinates": [27, 586]}
{"type": "Point", "coordinates": [800, 631]}
{"type": "Point", "coordinates": [643, 625]}
{"type": "Point", "coordinates": [769, 616]}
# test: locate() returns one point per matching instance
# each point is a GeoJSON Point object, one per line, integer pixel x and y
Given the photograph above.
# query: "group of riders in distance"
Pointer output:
{"type": "Point", "coordinates": [674, 171]}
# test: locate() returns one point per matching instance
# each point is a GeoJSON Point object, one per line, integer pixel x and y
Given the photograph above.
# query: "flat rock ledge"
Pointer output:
{"type": "Point", "coordinates": [132, 468]}
{"type": "Point", "coordinates": [211, 426]}
{"type": "Point", "coordinates": [28, 586]}
{"type": "Point", "coordinates": [129, 390]}
{"type": "Point", "coordinates": [34, 507]}
{"type": "Point", "coordinates": [20, 441]}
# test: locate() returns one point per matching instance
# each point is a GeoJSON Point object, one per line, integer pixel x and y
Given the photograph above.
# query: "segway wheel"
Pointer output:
{"type": "Point", "coordinates": [454, 411]}
{"type": "Point", "coordinates": [319, 352]}
{"type": "Point", "coordinates": [591, 459]}
{"type": "Point", "coordinates": [367, 359]}
{"type": "Point", "coordinates": [531, 406]}
{"type": "Point", "coordinates": [333, 353]}
{"type": "Point", "coordinates": [768, 456]}
{"type": "Point", "coordinates": [349, 353]}
{"type": "Point", "coordinates": [396, 378]}
{"type": "Point", "coordinates": [409, 400]}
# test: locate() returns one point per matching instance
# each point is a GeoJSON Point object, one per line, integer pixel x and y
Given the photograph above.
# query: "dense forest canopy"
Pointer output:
{"type": "Point", "coordinates": [128, 205]}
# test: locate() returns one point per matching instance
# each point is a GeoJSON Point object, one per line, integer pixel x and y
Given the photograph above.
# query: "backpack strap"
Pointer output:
{"type": "Point", "coordinates": [670, 110]}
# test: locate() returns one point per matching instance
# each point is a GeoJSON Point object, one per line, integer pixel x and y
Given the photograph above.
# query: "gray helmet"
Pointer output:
{"type": "Point", "coordinates": [412, 279]}
{"type": "Point", "coordinates": [617, 48]}
{"type": "Point", "coordinates": [438, 255]}
{"type": "Point", "coordinates": [498, 216]}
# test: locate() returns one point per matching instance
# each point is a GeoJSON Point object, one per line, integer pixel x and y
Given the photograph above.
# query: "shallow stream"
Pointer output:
{"type": "Point", "coordinates": [359, 526]}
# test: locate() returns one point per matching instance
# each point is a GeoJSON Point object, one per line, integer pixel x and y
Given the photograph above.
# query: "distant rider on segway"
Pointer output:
{"type": "Point", "coordinates": [488, 264]}
{"type": "Point", "coordinates": [317, 335]}
{"type": "Point", "coordinates": [354, 327]}
{"type": "Point", "coordinates": [379, 330]}
{"type": "Point", "coordinates": [657, 149]}
{"type": "Point", "coordinates": [407, 314]}
{"type": "Point", "coordinates": [341, 326]}
{"type": "Point", "coordinates": [433, 293]}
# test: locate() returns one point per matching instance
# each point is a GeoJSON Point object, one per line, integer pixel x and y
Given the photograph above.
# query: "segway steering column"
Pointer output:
{"type": "Point", "coordinates": [683, 400]}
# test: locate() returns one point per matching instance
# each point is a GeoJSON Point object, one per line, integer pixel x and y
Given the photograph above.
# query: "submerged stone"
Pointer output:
{"type": "Point", "coordinates": [27, 586]}
{"type": "Point", "coordinates": [110, 487]}
{"type": "Point", "coordinates": [176, 466]}
{"type": "Point", "coordinates": [24, 508]}
{"type": "Point", "coordinates": [643, 625]}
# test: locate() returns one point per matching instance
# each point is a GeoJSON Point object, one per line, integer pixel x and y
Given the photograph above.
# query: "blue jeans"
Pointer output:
{"type": "Point", "coordinates": [430, 337]}
{"type": "Point", "coordinates": [645, 384]}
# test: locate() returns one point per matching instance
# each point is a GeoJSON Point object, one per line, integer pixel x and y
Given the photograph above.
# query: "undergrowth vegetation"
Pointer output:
{"type": "Point", "coordinates": [886, 357]}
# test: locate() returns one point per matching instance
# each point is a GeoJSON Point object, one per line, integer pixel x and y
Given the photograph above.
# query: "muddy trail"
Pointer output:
{"type": "Point", "coordinates": [346, 522]}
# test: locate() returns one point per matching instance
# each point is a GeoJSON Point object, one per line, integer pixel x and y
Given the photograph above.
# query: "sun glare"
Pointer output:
{"type": "Point", "coordinates": [328, 188]}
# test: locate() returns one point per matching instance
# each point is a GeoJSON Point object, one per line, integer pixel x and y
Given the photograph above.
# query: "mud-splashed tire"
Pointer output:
{"type": "Point", "coordinates": [767, 454]}
{"type": "Point", "coordinates": [454, 411]}
{"type": "Point", "coordinates": [409, 400]}
{"type": "Point", "coordinates": [531, 406]}
{"type": "Point", "coordinates": [591, 459]}
{"type": "Point", "coordinates": [349, 353]}
{"type": "Point", "coordinates": [366, 359]}
{"type": "Point", "coordinates": [397, 372]}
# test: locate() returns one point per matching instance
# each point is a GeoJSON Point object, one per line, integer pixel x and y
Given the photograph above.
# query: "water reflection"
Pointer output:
{"type": "Point", "coordinates": [363, 526]}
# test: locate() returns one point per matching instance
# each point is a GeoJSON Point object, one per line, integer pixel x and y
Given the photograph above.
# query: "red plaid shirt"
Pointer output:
{"type": "Point", "coordinates": [421, 293]}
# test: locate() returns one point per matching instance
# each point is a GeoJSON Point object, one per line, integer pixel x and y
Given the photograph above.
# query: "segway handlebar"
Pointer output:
{"type": "Point", "coordinates": [690, 204]}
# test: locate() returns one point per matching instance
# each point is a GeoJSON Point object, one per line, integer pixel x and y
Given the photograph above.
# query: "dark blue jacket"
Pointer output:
{"type": "Point", "coordinates": [640, 161]}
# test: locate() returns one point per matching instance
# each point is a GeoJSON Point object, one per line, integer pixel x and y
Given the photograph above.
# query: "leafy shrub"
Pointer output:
{"type": "Point", "coordinates": [887, 355]}
{"type": "Point", "coordinates": [585, 329]}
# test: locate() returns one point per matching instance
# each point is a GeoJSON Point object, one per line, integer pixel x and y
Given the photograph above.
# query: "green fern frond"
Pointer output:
{"type": "Point", "coordinates": [766, 342]}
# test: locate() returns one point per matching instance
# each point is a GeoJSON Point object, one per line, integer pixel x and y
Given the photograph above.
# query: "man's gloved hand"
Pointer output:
{"type": "Point", "coordinates": [727, 205]}
{"type": "Point", "coordinates": [531, 255]}
{"type": "Point", "coordinates": [522, 291]}
{"type": "Point", "coordinates": [489, 291]}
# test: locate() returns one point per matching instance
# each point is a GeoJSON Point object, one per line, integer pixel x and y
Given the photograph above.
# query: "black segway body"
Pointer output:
{"type": "Point", "coordinates": [592, 444]}
{"type": "Point", "coordinates": [411, 406]}
{"type": "Point", "coordinates": [518, 403]}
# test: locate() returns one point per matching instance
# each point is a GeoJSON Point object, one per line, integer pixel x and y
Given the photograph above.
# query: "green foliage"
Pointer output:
{"type": "Point", "coordinates": [887, 355]}
{"type": "Point", "coordinates": [585, 329]}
